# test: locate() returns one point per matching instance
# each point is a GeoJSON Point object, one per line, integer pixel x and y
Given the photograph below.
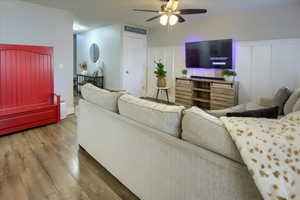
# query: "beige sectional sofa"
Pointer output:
{"type": "Point", "coordinates": [140, 144]}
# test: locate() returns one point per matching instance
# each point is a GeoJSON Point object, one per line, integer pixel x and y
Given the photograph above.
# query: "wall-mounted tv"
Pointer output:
{"type": "Point", "coordinates": [209, 54]}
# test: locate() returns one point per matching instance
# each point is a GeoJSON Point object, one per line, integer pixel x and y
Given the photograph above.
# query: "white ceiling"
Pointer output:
{"type": "Point", "coordinates": [94, 13]}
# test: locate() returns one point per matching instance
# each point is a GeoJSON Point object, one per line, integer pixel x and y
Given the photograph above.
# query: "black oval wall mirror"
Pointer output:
{"type": "Point", "coordinates": [94, 53]}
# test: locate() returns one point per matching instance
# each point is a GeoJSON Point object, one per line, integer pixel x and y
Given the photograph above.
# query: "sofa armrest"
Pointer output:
{"type": "Point", "coordinates": [263, 103]}
{"type": "Point", "coordinates": [56, 98]}
{"type": "Point", "coordinates": [266, 102]}
{"type": "Point", "coordinates": [222, 113]}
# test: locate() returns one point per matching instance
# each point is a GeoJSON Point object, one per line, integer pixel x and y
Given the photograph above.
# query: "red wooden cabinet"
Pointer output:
{"type": "Point", "coordinates": [26, 88]}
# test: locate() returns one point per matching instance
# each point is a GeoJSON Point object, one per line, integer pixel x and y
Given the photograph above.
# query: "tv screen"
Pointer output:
{"type": "Point", "coordinates": [209, 54]}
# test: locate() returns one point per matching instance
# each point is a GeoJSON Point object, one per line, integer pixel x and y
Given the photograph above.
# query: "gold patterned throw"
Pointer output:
{"type": "Point", "coordinates": [271, 151]}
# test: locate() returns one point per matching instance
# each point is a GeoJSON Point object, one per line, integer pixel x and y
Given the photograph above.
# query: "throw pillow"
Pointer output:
{"type": "Point", "coordinates": [289, 105]}
{"type": "Point", "coordinates": [271, 113]}
{"type": "Point", "coordinates": [280, 98]}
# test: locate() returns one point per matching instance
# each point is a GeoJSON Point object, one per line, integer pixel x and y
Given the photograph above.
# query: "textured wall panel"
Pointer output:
{"type": "Point", "coordinates": [26, 75]}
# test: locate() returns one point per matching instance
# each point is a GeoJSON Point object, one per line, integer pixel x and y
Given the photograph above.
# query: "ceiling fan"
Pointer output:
{"type": "Point", "coordinates": [169, 14]}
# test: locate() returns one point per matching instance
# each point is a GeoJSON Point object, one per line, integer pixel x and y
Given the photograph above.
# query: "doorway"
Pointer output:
{"type": "Point", "coordinates": [134, 63]}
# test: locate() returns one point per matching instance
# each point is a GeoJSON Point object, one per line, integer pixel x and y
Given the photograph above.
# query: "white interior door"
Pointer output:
{"type": "Point", "coordinates": [134, 63]}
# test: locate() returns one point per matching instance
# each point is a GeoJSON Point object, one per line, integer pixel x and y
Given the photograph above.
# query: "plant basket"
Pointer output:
{"type": "Point", "coordinates": [229, 78]}
{"type": "Point", "coordinates": [161, 82]}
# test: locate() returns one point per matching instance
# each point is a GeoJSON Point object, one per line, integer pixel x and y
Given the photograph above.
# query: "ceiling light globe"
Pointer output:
{"type": "Point", "coordinates": [173, 20]}
{"type": "Point", "coordinates": [164, 20]}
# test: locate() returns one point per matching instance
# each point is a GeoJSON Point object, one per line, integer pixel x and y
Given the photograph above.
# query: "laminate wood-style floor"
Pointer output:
{"type": "Point", "coordinates": [46, 163]}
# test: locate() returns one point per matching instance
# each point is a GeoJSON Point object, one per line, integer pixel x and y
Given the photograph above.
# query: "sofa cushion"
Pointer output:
{"type": "Point", "coordinates": [103, 98]}
{"type": "Point", "coordinates": [280, 98]}
{"type": "Point", "coordinates": [162, 117]}
{"type": "Point", "coordinates": [271, 113]}
{"type": "Point", "coordinates": [207, 131]}
{"type": "Point", "coordinates": [289, 105]}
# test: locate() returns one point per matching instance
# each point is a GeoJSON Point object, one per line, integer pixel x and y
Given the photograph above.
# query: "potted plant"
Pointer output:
{"type": "Point", "coordinates": [229, 75]}
{"type": "Point", "coordinates": [184, 73]}
{"type": "Point", "coordinates": [160, 74]}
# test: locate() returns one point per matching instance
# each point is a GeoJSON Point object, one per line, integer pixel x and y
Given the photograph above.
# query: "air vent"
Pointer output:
{"type": "Point", "coordinates": [135, 30]}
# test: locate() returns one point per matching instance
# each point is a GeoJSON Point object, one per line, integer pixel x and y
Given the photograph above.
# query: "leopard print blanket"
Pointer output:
{"type": "Point", "coordinates": [271, 151]}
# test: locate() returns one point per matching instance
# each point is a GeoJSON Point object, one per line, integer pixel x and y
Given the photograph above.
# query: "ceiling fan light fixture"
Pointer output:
{"type": "Point", "coordinates": [173, 19]}
{"type": "Point", "coordinates": [164, 19]}
{"type": "Point", "coordinates": [169, 14]}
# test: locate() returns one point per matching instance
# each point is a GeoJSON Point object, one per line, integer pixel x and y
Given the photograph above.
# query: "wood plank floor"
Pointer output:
{"type": "Point", "coordinates": [45, 163]}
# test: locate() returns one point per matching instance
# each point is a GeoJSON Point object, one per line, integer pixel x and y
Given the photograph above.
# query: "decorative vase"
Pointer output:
{"type": "Point", "coordinates": [229, 78]}
{"type": "Point", "coordinates": [100, 72]}
{"type": "Point", "coordinates": [161, 82]}
{"type": "Point", "coordinates": [84, 72]}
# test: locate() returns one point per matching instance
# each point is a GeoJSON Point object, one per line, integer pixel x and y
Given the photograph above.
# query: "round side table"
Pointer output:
{"type": "Point", "coordinates": [162, 89]}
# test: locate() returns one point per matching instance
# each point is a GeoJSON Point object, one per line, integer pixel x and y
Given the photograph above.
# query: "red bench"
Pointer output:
{"type": "Point", "coordinates": [26, 88]}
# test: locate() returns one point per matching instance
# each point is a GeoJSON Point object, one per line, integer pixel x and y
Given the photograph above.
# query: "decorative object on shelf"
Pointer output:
{"type": "Point", "coordinates": [229, 75]}
{"type": "Point", "coordinates": [169, 13]}
{"type": "Point", "coordinates": [160, 74]}
{"type": "Point", "coordinates": [94, 53]}
{"type": "Point", "coordinates": [100, 69]}
{"type": "Point", "coordinates": [95, 74]}
{"type": "Point", "coordinates": [97, 81]}
{"type": "Point", "coordinates": [185, 73]}
{"type": "Point", "coordinates": [83, 67]}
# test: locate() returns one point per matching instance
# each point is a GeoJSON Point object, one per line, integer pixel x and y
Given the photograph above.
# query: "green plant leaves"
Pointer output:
{"type": "Point", "coordinates": [160, 69]}
{"type": "Point", "coordinates": [229, 73]}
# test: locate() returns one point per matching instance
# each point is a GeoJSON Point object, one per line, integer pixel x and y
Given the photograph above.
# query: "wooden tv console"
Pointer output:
{"type": "Point", "coordinates": [206, 94]}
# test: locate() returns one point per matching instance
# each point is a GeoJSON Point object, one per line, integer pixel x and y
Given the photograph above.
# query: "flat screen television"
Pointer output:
{"type": "Point", "coordinates": [209, 54]}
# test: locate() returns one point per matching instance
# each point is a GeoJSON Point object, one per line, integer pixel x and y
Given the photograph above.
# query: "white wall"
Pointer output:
{"type": "Point", "coordinates": [261, 24]}
{"type": "Point", "coordinates": [278, 63]}
{"type": "Point", "coordinates": [265, 66]}
{"type": "Point", "coordinates": [29, 24]}
{"type": "Point", "coordinates": [109, 41]}
{"type": "Point", "coordinates": [262, 67]}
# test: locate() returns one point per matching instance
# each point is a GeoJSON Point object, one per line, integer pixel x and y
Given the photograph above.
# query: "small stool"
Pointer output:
{"type": "Point", "coordinates": [166, 89]}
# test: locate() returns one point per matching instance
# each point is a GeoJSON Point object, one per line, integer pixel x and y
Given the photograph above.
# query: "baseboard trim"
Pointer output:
{"type": "Point", "coordinates": [71, 110]}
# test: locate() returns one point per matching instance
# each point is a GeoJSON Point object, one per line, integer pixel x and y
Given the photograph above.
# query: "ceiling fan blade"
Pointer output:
{"type": "Point", "coordinates": [180, 19]}
{"type": "Point", "coordinates": [142, 10]}
{"type": "Point", "coordinates": [175, 5]}
{"type": "Point", "coordinates": [170, 4]}
{"type": "Point", "coordinates": [153, 18]}
{"type": "Point", "coordinates": [192, 11]}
